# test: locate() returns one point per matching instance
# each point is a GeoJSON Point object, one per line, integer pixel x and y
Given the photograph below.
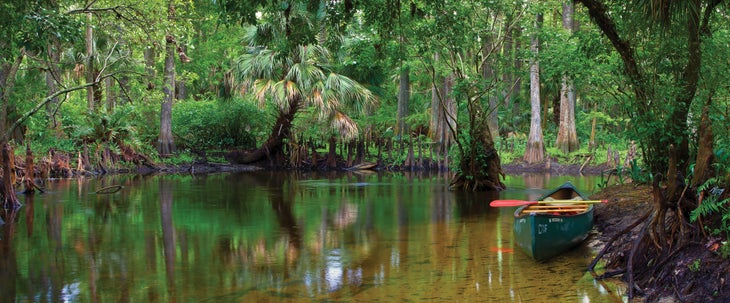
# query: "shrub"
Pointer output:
{"type": "Point", "coordinates": [214, 124]}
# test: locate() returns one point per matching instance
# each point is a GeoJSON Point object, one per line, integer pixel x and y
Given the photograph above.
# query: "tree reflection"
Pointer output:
{"type": "Point", "coordinates": [8, 260]}
{"type": "Point", "coordinates": [168, 236]}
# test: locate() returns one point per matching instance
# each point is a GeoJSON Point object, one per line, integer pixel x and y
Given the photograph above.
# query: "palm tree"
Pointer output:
{"type": "Point", "coordinates": [295, 80]}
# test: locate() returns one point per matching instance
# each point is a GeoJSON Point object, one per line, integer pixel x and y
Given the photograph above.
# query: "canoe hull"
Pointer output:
{"type": "Point", "coordinates": [545, 235]}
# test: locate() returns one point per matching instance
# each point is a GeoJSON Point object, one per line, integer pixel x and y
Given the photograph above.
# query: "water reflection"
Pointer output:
{"type": "Point", "coordinates": [270, 237]}
{"type": "Point", "coordinates": [8, 259]}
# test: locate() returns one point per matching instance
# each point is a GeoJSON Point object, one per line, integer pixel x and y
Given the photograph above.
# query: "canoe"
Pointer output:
{"type": "Point", "coordinates": [547, 230]}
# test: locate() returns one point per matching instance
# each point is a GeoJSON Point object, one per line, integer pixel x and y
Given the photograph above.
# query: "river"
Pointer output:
{"type": "Point", "coordinates": [282, 237]}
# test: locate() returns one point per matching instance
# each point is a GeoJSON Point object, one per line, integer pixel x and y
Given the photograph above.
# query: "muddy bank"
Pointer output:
{"type": "Point", "coordinates": [693, 272]}
{"type": "Point", "coordinates": [553, 167]}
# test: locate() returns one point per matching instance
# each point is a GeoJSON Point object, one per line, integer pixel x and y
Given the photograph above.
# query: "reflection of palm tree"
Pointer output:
{"type": "Point", "coordinates": [286, 219]}
{"type": "Point", "coordinates": [282, 206]}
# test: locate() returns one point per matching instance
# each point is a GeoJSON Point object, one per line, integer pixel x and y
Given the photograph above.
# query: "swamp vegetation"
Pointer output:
{"type": "Point", "coordinates": [97, 86]}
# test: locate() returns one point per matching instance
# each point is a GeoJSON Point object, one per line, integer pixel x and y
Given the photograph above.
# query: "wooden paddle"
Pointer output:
{"type": "Point", "coordinates": [513, 203]}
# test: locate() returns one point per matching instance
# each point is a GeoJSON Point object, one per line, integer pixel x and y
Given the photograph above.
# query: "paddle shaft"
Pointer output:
{"type": "Point", "coordinates": [513, 203]}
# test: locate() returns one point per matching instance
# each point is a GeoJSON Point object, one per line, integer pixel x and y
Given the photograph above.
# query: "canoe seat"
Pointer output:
{"type": "Point", "coordinates": [557, 209]}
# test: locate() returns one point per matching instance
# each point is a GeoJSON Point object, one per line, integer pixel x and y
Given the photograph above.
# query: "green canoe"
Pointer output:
{"type": "Point", "coordinates": [546, 230]}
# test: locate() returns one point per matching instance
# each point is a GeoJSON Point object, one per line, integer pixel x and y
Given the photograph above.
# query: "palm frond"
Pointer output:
{"type": "Point", "coordinates": [292, 90]}
{"type": "Point", "coordinates": [316, 96]}
{"type": "Point", "coordinates": [259, 63]}
{"type": "Point", "coordinates": [666, 12]}
{"type": "Point", "coordinates": [344, 126]}
{"type": "Point", "coordinates": [305, 74]}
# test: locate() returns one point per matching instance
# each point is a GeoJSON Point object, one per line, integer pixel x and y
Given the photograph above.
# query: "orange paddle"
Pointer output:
{"type": "Point", "coordinates": [513, 203]}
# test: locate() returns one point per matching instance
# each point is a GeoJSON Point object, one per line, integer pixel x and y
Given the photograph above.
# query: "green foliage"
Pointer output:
{"type": "Point", "coordinates": [180, 158]}
{"type": "Point", "coordinates": [107, 127]}
{"type": "Point", "coordinates": [725, 249]}
{"type": "Point", "coordinates": [214, 124]}
{"type": "Point", "coordinates": [510, 149]}
{"type": "Point", "coordinates": [695, 265]}
{"type": "Point", "coordinates": [361, 62]}
{"type": "Point", "coordinates": [30, 25]}
{"type": "Point", "coordinates": [714, 202]}
{"type": "Point", "coordinates": [608, 128]}
{"type": "Point", "coordinates": [475, 149]}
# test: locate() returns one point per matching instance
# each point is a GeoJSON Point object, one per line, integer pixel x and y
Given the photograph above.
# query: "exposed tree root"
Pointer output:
{"type": "Point", "coordinates": [613, 239]}
{"type": "Point", "coordinates": [667, 256]}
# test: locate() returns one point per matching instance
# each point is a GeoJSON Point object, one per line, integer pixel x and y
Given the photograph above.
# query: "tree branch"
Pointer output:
{"type": "Point", "coordinates": [598, 12]}
{"type": "Point", "coordinates": [45, 101]}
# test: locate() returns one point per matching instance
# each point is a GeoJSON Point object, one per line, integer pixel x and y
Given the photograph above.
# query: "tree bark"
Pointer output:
{"type": "Point", "coordinates": [508, 77]}
{"type": "Point", "coordinates": [10, 200]}
{"type": "Point", "coordinates": [567, 140]}
{"type": "Point", "coordinates": [29, 173]}
{"type": "Point", "coordinates": [149, 66]}
{"type": "Point", "coordinates": [404, 93]}
{"type": "Point", "coordinates": [166, 144]}
{"type": "Point", "coordinates": [52, 78]}
{"type": "Point", "coordinates": [443, 111]}
{"type": "Point", "coordinates": [535, 150]}
{"type": "Point", "coordinates": [332, 154]}
{"type": "Point", "coordinates": [93, 93]}
{"type": "Point", "coordinates": [111, 95]}
{"type": "Point", "coordinates": [515, 94]}
{"type": "Point", "coordinates": [705, 151]}
{"type": "Point", "coordinates": [490, 76]}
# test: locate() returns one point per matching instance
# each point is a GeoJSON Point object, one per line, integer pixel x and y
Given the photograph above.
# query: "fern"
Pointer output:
{"type": "Point", "coordinates": [713, 205]}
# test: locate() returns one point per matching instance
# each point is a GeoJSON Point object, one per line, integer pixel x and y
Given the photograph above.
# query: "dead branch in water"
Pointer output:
{"type": "Point", "coordinates": [109, 189]}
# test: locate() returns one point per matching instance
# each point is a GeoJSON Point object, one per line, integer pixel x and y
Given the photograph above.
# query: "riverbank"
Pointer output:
{"type": "Point", "coordinates": [694, 272]}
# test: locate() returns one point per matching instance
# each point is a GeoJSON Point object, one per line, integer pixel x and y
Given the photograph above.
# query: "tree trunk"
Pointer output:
{"type": "Point", "coordinates": [507, 75]}
{"type": "Point", "coordinates": [567, 140]}
{"type": "Point", "coordinates": [181, 91]}
{"type": "Point", "coordinates": [535, 152]}
{"type": "Point", "coordinates": [273, 147]}
{"type": "Point", "coordinates": [489, 76]}
{"type": "Point", "coordinates": [516, 91]}
{"type": "Point", "coordinates": [111, 95]}
{"type": "Point", "coordinates": [443, 111]}
{"type": "Point", "coordinates": [404, 93]}
{"type": "Point", "coordinates": [10, 200]}
{"type": "Point", "coordinates": [52, 78]}
{"type": "Point", "coordinates": [29, 173]}
{"type": "Point", "coordinates": [92, 94]}
{"type": "Point", "coordinates": [480, 168]}
{"type": "Point", "coordinates": [166, 144]}
{"type": "Point", "coordinates": [149, 67]}
{"type": "Point", "coordinates": [703, 169]}
{"type": "Point", "coordinates": [332, 154]}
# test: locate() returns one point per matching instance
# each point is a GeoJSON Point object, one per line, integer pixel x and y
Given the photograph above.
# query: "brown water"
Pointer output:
{"type": "Point", "coordinates": [281, 238]}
